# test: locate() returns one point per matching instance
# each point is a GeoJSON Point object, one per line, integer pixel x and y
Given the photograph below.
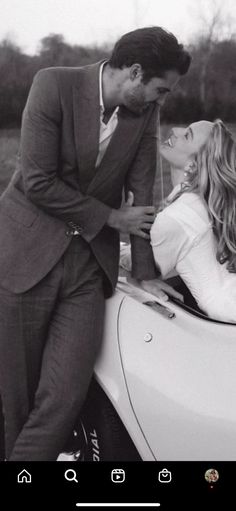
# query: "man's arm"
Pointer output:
{"type": "Point", "coordinates": [145, 272]}
{"type": "Point", "coordinates": [40, 157]}
{"type": "Point", "coordinates": [141, 182]}
{"type": "Point", "coordinates": [40, 150]}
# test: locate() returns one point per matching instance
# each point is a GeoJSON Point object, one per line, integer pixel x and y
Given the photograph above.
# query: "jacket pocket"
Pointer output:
{"type": "Point", "coordinates": [18, 212]}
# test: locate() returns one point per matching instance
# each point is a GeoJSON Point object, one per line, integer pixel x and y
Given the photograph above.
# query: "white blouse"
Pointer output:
{"type": "Point", "coordinates": [182, 239]}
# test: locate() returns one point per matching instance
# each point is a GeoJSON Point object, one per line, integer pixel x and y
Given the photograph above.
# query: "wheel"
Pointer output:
{"type": "Point", "coordinates": [99, 434]}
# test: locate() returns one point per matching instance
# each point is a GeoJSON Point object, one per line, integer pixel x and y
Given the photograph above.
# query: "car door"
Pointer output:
{"type": "Point", "coordinates": [181, 378]}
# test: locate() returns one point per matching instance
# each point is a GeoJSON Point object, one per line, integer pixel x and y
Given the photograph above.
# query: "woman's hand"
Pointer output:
{"type": "Point", "coordinates": [157, 288]}
{"type": "Point", "coordinates": [130, 199]}
{"type": "Point", "coordinates": [160, 289]}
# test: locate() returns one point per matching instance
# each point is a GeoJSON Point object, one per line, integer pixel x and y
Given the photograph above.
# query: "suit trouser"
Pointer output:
{"type": "Point", "coordinates": [49, 339]}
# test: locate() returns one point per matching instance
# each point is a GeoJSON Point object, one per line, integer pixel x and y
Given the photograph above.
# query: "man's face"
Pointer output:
{"type": "Point", "coordinates": [137, 96]}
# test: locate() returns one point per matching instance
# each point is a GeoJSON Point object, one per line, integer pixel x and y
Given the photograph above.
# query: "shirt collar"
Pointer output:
{"type": "Point", "coordinates": [102, 109]}
{"type": "Point", "coordinates": [174, 191]}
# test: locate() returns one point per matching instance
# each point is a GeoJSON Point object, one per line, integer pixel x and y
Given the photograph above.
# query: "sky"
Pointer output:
{"type": "Point", "coordinates": [88, 22]}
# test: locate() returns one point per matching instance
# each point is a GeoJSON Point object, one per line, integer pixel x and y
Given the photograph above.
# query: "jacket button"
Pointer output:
{"type": "Point", "coordinates": [77, 231]}
{"type": "Point", "coordinates": [74, 231]}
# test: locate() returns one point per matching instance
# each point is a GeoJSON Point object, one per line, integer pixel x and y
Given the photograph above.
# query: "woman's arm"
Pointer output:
{"type": "Point", "coordinates": [169, 242]}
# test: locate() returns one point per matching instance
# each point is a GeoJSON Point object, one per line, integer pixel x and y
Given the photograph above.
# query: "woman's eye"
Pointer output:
{"type": "Point", "coordinates": [186, 135]}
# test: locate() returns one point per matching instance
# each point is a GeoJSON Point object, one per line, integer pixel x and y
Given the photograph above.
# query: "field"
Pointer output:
{"type": "Point", "coordinates": [9, 147]}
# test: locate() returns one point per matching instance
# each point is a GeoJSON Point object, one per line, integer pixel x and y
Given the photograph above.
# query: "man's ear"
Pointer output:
{"type": "Point", "coordinates": [136, 71]}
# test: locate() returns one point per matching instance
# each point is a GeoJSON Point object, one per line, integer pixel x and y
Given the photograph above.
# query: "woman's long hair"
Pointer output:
{"type": "Point", "coordinates": [215, 181]}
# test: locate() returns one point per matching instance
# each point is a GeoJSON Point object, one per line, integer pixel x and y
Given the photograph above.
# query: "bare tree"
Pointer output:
{"type": "Point", "coordinates": [214, 24]}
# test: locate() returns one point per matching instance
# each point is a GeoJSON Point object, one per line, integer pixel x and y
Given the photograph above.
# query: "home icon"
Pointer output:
{"type": "Point", "coordinates": [24, 477]}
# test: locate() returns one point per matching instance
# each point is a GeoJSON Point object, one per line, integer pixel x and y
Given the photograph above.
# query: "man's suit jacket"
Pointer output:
{"type": "Point", "coordinates": [56, 181]}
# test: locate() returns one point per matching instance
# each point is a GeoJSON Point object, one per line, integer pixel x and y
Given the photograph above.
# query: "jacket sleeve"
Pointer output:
{"type": "Point", "coordinates": [40, 150]}
{"type": "Point", "coordinates": [141, 182]}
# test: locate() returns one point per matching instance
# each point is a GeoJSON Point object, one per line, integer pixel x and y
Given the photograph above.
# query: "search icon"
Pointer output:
{"type": "Point", "coordinates": [70, 475]}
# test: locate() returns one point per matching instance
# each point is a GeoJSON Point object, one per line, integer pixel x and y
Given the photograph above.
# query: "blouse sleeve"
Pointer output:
{"type": "Point", "coordinates": [169, 241]}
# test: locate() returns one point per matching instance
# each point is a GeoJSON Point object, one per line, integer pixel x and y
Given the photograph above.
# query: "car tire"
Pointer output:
{"type": "Point", "coordinates": [99, 434]}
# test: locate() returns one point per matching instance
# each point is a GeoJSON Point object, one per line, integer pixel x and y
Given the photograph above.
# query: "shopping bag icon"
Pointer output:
{"type": "Point", "coordinates": [164, 476]}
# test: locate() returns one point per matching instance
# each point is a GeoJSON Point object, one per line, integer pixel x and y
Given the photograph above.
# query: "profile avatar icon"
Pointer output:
{"type": "Point", "coordinates": [211, 475]}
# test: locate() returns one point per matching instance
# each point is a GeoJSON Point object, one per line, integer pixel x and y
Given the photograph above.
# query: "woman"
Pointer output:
{"type": "Point", "coordinates": [195, 234]}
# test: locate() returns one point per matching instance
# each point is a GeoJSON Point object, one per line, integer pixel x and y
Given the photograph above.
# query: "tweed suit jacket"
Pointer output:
{"type": "Point", "coordinates": [56, 182]}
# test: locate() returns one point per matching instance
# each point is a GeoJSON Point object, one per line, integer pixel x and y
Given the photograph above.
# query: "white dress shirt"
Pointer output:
{"type": "Point", "coordinates": [106, 130]}
{"type": "Point", "coordinates": [182, 239]}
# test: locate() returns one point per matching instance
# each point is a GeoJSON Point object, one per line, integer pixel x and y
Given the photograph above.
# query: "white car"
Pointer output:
{"type": "Point", "coordinates": [164, 386]}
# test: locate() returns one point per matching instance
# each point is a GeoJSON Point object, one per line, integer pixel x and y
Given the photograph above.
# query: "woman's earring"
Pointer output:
{"type": "Point", "coordinates": [190, 170]}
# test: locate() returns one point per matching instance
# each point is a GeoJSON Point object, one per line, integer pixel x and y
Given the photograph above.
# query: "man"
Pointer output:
{"type": "Point", "coordinates": [86, 132]}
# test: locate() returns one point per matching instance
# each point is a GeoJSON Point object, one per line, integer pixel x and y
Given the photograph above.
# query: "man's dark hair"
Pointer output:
{"type": "Point", "coordinates": [155, 49]}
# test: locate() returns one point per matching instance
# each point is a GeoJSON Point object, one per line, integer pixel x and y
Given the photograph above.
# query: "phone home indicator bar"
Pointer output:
{"type": "Point", "coordinates": [117, 504]}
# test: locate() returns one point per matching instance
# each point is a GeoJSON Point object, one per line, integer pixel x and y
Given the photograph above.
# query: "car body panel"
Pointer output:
{"type": "Point", "coordinates": [172, 381]}
{"type": "Point", "coordinates": [110, 375]}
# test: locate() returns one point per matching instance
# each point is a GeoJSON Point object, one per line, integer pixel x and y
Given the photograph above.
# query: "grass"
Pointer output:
{"type": "Point", "coordinates": [9, 147]}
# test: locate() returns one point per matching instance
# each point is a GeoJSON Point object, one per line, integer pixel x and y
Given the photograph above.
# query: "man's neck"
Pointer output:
{"type": "Point", "coordinates": [111, 87]}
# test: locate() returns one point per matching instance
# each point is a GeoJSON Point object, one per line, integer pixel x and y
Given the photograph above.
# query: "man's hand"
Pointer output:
{"type": "Point", "coordinates": [132, 219]}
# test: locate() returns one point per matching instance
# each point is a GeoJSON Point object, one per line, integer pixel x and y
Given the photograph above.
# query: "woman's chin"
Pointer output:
{"type": "Point", "coordinates": [164, 153]}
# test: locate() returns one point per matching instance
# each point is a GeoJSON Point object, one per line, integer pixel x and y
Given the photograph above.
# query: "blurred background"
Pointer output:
{"type": "Point", "coordinates": [37, 34]}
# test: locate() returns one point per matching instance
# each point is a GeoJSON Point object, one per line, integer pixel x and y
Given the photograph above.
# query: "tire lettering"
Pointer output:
{"type": "Point", "coordinates": [93, 433]}
{"type": "Point", "coordinates": [95, 445]}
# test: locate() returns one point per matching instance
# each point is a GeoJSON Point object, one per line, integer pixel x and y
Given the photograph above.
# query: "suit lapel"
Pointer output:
{"type": "Point", "coordinates": [86, 111]}
{"type": "Point", "coordinates": [121, 144]}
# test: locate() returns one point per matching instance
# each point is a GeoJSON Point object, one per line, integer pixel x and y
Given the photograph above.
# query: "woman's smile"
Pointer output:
{"type": "Point", "coordinates": [168, 142]}
{"type": "Point", "coordinates": [183, 143]}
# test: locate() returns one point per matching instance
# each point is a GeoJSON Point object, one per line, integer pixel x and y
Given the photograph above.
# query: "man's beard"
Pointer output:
{"type": "Point", "coordinates": [135, 101]}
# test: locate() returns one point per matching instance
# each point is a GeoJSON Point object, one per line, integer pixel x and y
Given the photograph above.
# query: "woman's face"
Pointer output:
{"type": "Point", "coordinates": [184, 143]}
